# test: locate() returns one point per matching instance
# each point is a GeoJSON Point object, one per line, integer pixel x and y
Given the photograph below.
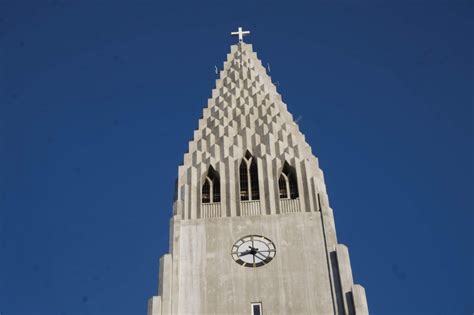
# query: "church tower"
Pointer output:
{"type": "Point", "coordinates": [252, 231]}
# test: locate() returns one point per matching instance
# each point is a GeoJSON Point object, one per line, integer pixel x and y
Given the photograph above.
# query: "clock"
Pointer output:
{"type": "Point", "coordinates": [253, 251]}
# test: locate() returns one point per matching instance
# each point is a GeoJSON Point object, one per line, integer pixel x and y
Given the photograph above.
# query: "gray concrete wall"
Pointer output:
{"type": "Point", "coordinates": [296, 281]}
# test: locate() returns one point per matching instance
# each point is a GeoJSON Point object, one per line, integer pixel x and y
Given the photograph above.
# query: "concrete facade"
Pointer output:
{"type": "Point", "coordinates": [311, 272]}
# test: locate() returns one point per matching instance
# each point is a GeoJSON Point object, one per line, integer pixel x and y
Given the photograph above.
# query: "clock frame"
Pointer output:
{"type": "Point", "coordinates": [253, 251]}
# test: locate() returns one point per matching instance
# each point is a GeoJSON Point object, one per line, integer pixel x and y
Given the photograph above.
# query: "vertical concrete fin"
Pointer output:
{"type": "Point", "coordinates": [272, 198]}
{"type": "Point", "coordinates": [231, 187]}
{"type": "Point", "coordinates": [345, 277]}
{"type": "Point", "coordinates": [154, 305]}
{"type": "Point", "coordinates": [329, 227]}
{"type": "Point", "coordinates": [171, 234]}
{"type": "Point", "coordinates": [302, 182]}
{"type": "Point", "coordinates": [360, 300]}
{"type": "Point", "coordinates": [165, 283]}
{"type": "Point", "coordinates": [263, 185]}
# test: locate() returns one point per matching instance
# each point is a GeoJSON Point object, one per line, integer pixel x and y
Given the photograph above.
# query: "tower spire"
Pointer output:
{"type": "Point", "coordinates": [250, 186]}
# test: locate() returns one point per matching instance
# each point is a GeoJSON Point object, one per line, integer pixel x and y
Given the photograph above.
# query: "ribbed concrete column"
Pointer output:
{"type": "Point", "coordinates": [154, 305]}
{"type": "Point", "coordinates": [360, 300]}
{"type": "Point", "coordinates": [345, 277]}
{"type": "Point", "coordinates": [165, 283]}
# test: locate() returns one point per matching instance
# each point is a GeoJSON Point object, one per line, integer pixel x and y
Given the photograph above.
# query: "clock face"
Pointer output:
{"type": "Point", "coordinates": [253, 251]}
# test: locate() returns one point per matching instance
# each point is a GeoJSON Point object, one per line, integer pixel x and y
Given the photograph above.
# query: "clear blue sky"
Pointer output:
{"type": "Point", "coordinates": [99, 98]}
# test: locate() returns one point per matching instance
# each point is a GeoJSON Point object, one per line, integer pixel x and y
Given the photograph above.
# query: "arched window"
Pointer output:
{"type": "Point", "coordinates": [287, 183]}
{"type": "Point", "coordinates": [211, 188]}
{"type": "Point", "coordinates": [249, 178]}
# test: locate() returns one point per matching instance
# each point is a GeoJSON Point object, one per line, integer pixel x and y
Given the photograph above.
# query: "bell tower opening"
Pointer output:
{"type": "Point", "coordinates": [211, 189]}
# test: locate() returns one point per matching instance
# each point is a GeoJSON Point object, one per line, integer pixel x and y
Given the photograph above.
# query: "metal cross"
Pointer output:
{"type": "Point", "coordinates": [240, 33]}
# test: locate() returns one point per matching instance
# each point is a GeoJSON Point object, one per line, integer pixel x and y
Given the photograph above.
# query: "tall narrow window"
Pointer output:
{"type": "Point", "coordinates": [249, 178]}
{"type": "Point", "coordinates": [206, 191]}
{"type": "Point", "coordinates": [283, 185]}
{"type": "Point", "coordinates": [287, 182]}
{"type": "Point", "coordinates": [211, 188]}
{"type": "Point", "coordinates": [254, 180]}
{"type": "Point", "coordinates": [216, 186]}
{"type": "Point", "coordinates": [244, 180]}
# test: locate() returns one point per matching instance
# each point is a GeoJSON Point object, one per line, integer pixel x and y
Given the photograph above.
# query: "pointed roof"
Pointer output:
{"type": "Point", "coordinates": [245, 112]}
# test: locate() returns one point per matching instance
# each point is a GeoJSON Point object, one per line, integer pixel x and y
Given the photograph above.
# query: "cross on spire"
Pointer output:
{"type": "Point", "coordinates": [240, 33]}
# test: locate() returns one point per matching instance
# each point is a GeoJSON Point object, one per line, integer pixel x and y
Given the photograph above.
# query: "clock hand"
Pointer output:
{"type": "Point", "coordinates": [264, 257]}
{"type": "Point", "coordinates": [245, 253]}
{"type": "Point", "coordinates": [253, 250]}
